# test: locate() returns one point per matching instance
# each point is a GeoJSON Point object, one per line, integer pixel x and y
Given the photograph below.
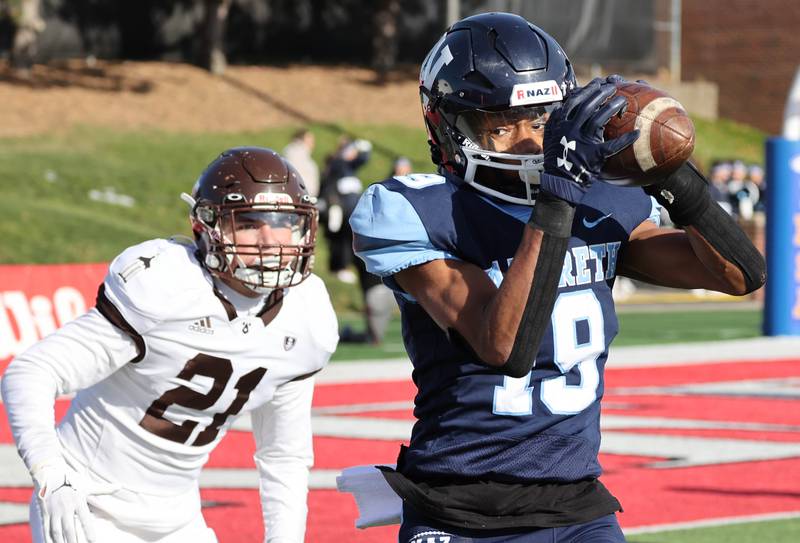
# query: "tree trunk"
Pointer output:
{"type": "Point", "coordinates": [384, 41]}
{"type": "Point", "coordinates": [29, 25]}
{"type": "Point", "coordinates": [215, 18]}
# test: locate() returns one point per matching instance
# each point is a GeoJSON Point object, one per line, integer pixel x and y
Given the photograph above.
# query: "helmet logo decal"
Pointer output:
{"type": "Point", "coordinates": [272, 198]}
{"type": "Point", "coordinates": [431, 67]}
{"type": "Point", "coordinates": [568, 146]}
{"type": "Point", "coordinates": [540, 92]}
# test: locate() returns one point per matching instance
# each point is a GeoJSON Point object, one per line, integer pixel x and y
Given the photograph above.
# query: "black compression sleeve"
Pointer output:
{"type": "Point", "coordinates": [720, 230]}
{"type": "Point", "coordinates": [685, 195]}
{"type": "Point", "coordinates": [554, 217]}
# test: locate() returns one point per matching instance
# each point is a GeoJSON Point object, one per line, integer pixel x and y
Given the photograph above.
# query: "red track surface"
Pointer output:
{"type": "Point", "coordinates": [649, 495]}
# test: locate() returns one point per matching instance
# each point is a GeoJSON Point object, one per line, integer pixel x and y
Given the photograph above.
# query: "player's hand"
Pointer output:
{"type": "Point", "coordinates": [61, 494]}
{"type": "Point", "coordinates": [574, 148]}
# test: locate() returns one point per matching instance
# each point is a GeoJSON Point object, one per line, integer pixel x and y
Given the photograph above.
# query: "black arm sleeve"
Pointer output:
{"type": "Point", "coordinates": [685, 195]}
{"type": "Point", "coordinates": [554, 217]}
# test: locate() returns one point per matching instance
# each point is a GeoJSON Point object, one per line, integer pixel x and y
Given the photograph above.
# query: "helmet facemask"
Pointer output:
{"type": "Point", "coordinates": [260, 247]}
{"type": "Point", "coordinates": [488, 156]}
{"type": "Point", "coordinates": [254, 223]}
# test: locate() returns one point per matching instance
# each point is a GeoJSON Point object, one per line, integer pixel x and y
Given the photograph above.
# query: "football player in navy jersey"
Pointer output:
{"type": "Point", "coordinates": [503, 265]}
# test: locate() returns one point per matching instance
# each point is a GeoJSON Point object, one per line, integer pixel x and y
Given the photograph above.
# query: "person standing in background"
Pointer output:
{"type": "Point", "coordinates": [341, 189]}
{"type": "Point", "coordinates": [378, 298]}
{"type": "Point", "coordinates": [298, 153]}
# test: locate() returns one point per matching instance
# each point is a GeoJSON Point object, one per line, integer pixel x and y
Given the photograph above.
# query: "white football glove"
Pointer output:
{"type": "Point", "coordinates": [61, 494]}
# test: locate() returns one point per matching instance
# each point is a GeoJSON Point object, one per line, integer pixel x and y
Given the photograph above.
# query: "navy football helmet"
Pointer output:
{"type": "Point", "coordinates": [489, 70]}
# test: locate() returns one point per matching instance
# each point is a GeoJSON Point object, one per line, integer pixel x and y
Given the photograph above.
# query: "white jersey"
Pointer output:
{"type": "Point", "coordinates": [148, 413]}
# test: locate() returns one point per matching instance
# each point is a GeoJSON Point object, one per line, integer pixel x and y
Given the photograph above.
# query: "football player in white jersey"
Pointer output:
{"type": "Point", "coordinates": [183, 339]}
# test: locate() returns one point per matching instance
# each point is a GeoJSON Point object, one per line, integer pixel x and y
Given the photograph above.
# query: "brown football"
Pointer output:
{"type": "Point", "coordinates": [666, 138]}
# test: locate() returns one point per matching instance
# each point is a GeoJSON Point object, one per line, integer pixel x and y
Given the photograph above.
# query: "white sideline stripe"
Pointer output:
{"type": "Point", "coordinates": [678, 354]}
{"type": "Point", "coordinates": [711, 523]}
{"type": "Point", "coordinates": [319, 479]}
{"type": "Point", "coordinates": [13, 513]}
{"type": "Point", "coordinates": [675, 354]}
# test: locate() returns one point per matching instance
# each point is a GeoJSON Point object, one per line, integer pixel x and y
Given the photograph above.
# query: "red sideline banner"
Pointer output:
{"type": "Point", "coordinates": [37, 299]}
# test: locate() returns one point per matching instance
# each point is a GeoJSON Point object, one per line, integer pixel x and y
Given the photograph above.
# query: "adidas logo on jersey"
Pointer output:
{"type": "Point", "coordinates": [202, 326]}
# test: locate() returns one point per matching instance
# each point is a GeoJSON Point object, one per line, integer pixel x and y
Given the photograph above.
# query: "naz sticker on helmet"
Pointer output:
{"type": "Point", "coordinates": [535, 93]}
{"type": "Point", "coordinates": [272, 198]}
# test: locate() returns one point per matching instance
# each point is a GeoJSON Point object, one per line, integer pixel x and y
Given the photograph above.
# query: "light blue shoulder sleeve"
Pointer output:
{"type": "Point", "coordinates": [655, 212]}
{"type": "Point", "coordinates": [388, 234]}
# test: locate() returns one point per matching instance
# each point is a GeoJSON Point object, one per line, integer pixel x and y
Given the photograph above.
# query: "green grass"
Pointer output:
{"type": "Point", "coordinates": [776, 531]}
{"type": "Point", "coordinates": [724, 139]}
{"type": "Point", "coordinates": [697, 325]}
{"type": "Point", "coordinates": [46, 215]}
{"type": "Point", "coordinates": [639, 328]}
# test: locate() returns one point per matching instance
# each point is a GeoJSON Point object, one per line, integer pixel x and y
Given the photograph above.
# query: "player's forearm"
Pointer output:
{"type": "Point", "coordinates": [284, 456]}
{"type": "Point", "coordinates": [543, 248]}
{"type": "Point", "coordinates": [735, 265]}
{"type": "Point", "coordinates": [723, 275]}
{"type": "Point", "coordinates": [502, 315]}
{"type": "Point", "coordinates": [77, 355]}
{"type": "Point", "coordinates": [29, 394]}
{"type": "Point", "coordinates": [284, 491]}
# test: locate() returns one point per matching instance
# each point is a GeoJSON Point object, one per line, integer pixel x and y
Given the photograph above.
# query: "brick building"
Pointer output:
{"type": "Point", "coordinates": [749, 48]}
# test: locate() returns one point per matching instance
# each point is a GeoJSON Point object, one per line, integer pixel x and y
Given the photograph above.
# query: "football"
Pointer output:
{"type": "Point", "coordinates": [666, 138]}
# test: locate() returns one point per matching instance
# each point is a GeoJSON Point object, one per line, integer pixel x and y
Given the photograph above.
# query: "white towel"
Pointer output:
{"type": "Point", "coordinates": [377, 503]}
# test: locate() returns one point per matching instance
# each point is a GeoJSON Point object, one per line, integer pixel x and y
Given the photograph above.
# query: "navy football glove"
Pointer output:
{"type": "Point", "coordinates": [574, 149]}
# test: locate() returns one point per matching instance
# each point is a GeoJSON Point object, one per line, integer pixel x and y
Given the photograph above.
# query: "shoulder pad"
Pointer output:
{"type": "Point", "coordinates": [388, 234]}
{"type": "Point", "coordinates": [148, 282]}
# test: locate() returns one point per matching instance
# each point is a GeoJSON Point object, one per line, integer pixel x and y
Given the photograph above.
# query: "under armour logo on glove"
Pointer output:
{"type": "Point", "coordinates": [574, 149]}
{"type": "Point", "coordinates": [568, 145]}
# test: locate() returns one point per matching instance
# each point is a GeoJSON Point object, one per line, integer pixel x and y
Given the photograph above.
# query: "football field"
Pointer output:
{"type": "Point", "coordinates": [701, 443]}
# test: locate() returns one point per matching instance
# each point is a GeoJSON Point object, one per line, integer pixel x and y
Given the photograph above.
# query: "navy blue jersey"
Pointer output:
{"type": "Point", "coordinates": [473, 422]}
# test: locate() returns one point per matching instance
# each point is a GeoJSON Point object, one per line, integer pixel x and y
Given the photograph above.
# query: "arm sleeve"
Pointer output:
{"type": "Point", "coordinates": [78, 355]}
{"type": "Point", "coordinates": [388, 234]}
{"type": "Point", "coordinates": [284, 455]}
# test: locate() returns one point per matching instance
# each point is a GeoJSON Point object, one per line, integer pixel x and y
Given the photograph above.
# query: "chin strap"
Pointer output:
{"type": "Point", "coordinates": [552, 216]}
{"type": "Point", "coordinates": [684, 194]}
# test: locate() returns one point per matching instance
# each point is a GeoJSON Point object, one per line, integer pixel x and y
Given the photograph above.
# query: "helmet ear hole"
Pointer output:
{"type": "Point", "coordinates": [213, 261]}
{"type": "Point", "coordinates": [436, 153]}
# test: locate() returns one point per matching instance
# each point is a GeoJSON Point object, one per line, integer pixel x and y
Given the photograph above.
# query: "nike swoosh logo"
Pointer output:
{"type": "Point", "coordinates": [592, 224]}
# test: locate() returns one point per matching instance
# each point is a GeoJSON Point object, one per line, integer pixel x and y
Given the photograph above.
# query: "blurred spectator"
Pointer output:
{"type": "Point", "coordinates": [378, 298]}
{"type": "Point", "coordinates": [298, 153]}
{"type": "Point", "coordinates": [401, 166]}
{"type": "Point", "coordinates": [756, 175]}
{"type": "Point", "coordinates": [744, 194]}
{"type": "Point", "coordinates": [718, 178]}
{"type": "Point", "coordinates": [378, 305]}
{"type": "Point", "coordinates": [340, 191]}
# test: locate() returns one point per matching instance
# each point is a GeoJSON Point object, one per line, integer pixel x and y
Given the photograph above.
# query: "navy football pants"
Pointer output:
{"type": "Point", "coordinates": [418, 529]}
